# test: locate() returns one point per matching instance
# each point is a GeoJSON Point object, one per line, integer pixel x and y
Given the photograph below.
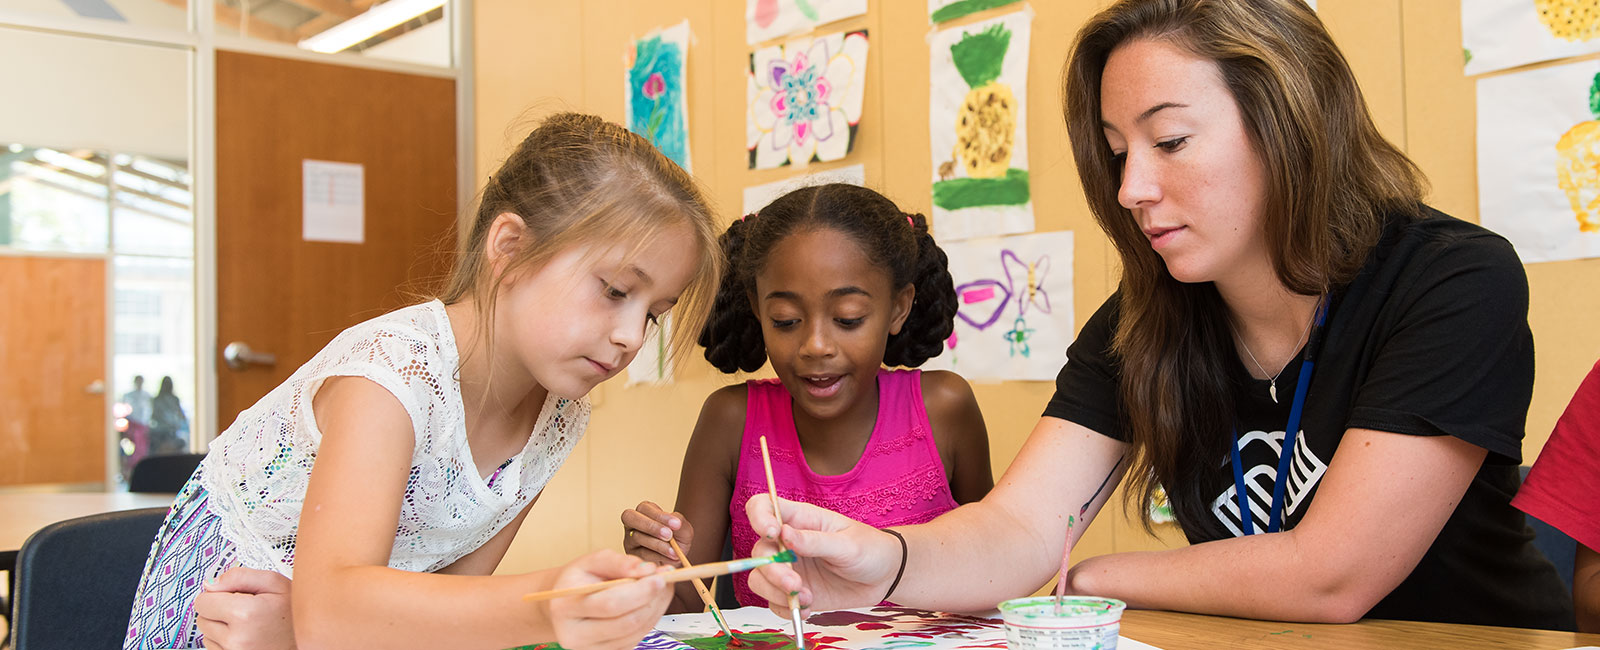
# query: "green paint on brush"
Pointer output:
{"type": "Point", "coordinates": [786, 556]}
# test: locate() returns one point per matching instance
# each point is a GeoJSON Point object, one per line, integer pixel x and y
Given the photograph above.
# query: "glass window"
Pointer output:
{"type": "Point", "coordinates": [53, 200]}
{"type": "Point", "coordinates": [153, 358]}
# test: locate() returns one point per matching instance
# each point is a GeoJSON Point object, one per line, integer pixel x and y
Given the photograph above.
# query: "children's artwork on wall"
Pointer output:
{"type": "Point", "coordinates": [804, 100]}
{"type": "Point", "coordinates": [765, 20]}
{"type": "Point", "coordinates": [656, 102]}
{"type": "Point", "coordinates": [1499, 34]}
{"type": "Point", "coordinates": [978, 128]}
{"type": "Point", "coordinates": [1014, 307]}
{"type": "Point", "coordinates": [758, 196]}
{"type": "Point", "coordinates": [1539, 160]}
{"type": "Point", "coordinates": [942, 10]}
{"type": "Point", "coordinates": [652, 365]}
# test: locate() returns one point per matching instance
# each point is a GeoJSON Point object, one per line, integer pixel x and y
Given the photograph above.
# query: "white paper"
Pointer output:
{"type": "Point", "coordinates": [335, 201]}
{"type": "Point", "coordinates": [947, 98]}
{"type": "Point", "coordinates": [803, 99]}
{"type": "Point", "coordinates": [768, 19]}
{"type": "Point", "coordinates": [1501, 34]}
{"type": "Point", "coordinates": [1014, 307]}
{"type": "Point", "coordinates": [758, 196]}
{"type": "Point", "coordinates": [913, 629]}
{"type": "Point", "coordinates": [652, 365]}
{"type": "Point", "coordinates": [1522, 118]}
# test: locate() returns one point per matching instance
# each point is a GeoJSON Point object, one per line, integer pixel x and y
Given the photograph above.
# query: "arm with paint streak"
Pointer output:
{"type": "Point", "coordinates": [705, 485]}
{"type": "Point", "coordinates": [1303, 574]}
{"type": "Point", "coordinates": [1004, 546]}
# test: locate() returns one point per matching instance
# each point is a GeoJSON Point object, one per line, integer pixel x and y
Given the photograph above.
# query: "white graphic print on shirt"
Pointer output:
{"type": "Point", "coordinates": [1304, 473]}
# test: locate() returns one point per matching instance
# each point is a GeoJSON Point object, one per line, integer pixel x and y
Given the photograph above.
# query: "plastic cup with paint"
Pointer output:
{"type": "Point", "coordinates": [1083, 623]}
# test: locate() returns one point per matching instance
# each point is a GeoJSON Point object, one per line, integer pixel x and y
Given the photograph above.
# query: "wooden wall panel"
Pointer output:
{"type": "Point", "coordinates": [287, 296]}
{"type": "Point", "coordinates": [52, 347]}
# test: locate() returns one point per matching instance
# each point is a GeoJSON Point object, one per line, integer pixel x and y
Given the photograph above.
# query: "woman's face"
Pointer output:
{"type": "Point", "coordinates": [1189, 173]}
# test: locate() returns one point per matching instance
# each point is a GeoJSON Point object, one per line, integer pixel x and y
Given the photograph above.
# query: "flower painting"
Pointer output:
{"type": "Point", "coordinates": [657, 107]}
{"type": "Point", "coordinates": [804, 100]}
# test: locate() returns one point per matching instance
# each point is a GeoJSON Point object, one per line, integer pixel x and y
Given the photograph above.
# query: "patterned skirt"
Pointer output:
{"type": "Point", "coordinates": [189, 552]}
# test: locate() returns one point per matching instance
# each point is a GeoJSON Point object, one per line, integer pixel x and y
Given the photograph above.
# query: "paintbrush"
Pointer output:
{"type": "Point", "coordinates": [679, 575]}
{"type": "Point", "coordinates": [1066, 554]}
{"type": "Point", "coordinates": [772, 489]}
{"type": "Point", "coordinates": [700, 587]}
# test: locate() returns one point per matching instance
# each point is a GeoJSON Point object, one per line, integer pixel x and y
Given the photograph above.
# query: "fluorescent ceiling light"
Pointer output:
{"type": "Point", "coordinates": [374, 21]}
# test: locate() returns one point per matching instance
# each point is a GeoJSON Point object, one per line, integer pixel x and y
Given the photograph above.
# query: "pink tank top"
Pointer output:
{"type": "Point", "coordinates": [898, 481]}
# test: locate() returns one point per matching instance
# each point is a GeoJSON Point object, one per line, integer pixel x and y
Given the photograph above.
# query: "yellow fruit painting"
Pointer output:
{"type": "Point", "coordinates": [1572, 20]}
{"type": "Point", "coordinates": [1578, 165]}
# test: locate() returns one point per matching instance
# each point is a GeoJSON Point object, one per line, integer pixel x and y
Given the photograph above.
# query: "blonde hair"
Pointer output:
{"type": "Point", "coordinates": [578, 179]}
{"type": "Point", "coordinates": [1332, 179]}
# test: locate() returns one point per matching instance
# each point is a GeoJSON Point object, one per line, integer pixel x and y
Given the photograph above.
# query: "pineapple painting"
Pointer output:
{"type": "Point", "coordinates": [977, 123]}
{"type": "Point", "coordinates": [1578, 164]}
{"type": "Point", "coordinates": [986, 127]}
{"type": "Point", "coordinates": [1571, 20]}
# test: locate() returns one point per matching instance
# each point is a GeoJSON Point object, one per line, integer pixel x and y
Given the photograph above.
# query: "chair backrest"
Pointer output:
{"type": "Point", "coordinates": [76, 580]}
{"type": "Point", "coordinates": [163, 473]}
{"type": "Point", "coordinates": [1556, 545]}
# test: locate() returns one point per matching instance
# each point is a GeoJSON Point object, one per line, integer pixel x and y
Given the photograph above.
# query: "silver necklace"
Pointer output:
{"type": "Point", "coordinates": [1272, 382]}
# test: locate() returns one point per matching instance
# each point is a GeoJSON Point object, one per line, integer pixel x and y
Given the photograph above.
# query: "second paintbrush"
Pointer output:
{"type": "Point", "coordinates": [679, 575]}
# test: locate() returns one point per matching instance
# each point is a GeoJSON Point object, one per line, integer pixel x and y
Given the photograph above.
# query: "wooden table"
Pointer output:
{"type": "Point", "coordinates": [1174, 631]}
{"type": "Point", "coordinates": [22, 513]}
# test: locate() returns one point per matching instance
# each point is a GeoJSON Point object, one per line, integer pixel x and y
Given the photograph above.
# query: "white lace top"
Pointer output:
{"type": "Point", "coordinates": [257, 471]}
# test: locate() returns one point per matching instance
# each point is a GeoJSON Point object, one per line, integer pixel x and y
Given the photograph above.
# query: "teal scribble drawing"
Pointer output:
{"type": "Point", "coordinates": [656, 103]}
{"type": "Point", "coordinates": [964, 7]}
{"type": "Point", "coordinates": [1018, 337]}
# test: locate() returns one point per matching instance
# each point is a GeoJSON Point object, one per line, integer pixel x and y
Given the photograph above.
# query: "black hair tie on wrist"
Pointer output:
{"type": "Point", "coordinates": [903, 554]}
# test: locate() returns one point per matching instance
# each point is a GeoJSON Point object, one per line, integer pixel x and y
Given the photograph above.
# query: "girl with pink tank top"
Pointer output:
{"type": "Point", "coordinates": [829, 284]}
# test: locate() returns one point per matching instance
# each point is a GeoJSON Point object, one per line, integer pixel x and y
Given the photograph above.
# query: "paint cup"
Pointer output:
{"type": "Point", "coordinates": [1085, 623]}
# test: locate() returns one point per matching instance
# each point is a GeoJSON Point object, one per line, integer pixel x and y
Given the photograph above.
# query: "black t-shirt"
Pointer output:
{"type": "Point", "coordinates": [1431, 338]}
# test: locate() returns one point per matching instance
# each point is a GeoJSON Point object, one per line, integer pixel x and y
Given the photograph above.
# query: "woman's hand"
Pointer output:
{"type": "Point", "coordinates": [647, 529]}
{"type": "Point", "coordinates": [842, 562]}
{"type": "Point", "coordinates": [612, 619]}
{"type": "Point", "coordinates": [246, 609]}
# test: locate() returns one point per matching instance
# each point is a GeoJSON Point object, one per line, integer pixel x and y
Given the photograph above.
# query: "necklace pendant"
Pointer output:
{"type": "Point", "coordinates": [1272, 389]}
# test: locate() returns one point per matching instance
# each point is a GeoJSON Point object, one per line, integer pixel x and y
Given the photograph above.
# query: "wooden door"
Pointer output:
{"type": "Point", "coordinates": [53, 350]}
{"type": "Point", "coordinates": [288, 297]}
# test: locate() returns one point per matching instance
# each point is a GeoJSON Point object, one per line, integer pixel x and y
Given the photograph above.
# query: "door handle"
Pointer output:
{"type": "Point", "coordinates": [239, 356]}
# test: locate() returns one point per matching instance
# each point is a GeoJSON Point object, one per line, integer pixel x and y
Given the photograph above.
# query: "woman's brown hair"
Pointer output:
{"type": "Point", "coordinates": [578, 179]}
{"type": "Point", "coordinates": [1332, 179]}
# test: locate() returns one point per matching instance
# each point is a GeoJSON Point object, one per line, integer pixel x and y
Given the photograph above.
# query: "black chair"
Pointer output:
{"type": "Point", "coordinates": [76, 580]}
{"type": "Point", "coordinates": [162, 474]}
{"type": "Point", "coordinates": [1556, 545]}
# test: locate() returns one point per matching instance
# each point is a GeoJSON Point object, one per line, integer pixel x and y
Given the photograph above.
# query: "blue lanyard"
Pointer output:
{"type": "Point", "coordinates": [1290, 432]}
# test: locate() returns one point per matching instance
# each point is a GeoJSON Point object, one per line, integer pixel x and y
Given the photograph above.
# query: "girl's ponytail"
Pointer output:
{"type": "Point", "coordinates": [933, 313]}
{"type": "Point", "coordinates": [732, 336]}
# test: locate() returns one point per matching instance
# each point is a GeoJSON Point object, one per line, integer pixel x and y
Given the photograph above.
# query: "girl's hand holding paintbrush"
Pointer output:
{"type": "Point", "coordinates": [615, 618]}
{"type": "Point", "coordinates": [646, 529]}
{"type": "Point", "coordinates": [842, 562]}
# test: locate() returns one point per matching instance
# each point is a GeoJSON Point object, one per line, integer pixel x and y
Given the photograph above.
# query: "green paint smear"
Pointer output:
{"type": "Point", "coordinates": [807, 10]}
{"type": "Point", "coordinates": [1466, 54]}
{"type": "Point", "coordinates": [959, 9]}
{"type": "Point", "coordinates": [763, 640]}
{"type": "Point", "coordinates": [979, 55]}
{"type": "Point", "coordinates": [1594, 97]}
{"type": "Point", "coordinates": [958, 193]}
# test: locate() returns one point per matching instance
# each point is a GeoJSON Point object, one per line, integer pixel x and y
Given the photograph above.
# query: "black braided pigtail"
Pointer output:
{"type": "Point", "coordinates": [933, 313]}
{"type": "Point", "coordinates": [732, 336]}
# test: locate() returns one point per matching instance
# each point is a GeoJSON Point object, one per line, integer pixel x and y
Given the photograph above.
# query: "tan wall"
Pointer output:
{"type": "Point", "coordinates": [536, 56]}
